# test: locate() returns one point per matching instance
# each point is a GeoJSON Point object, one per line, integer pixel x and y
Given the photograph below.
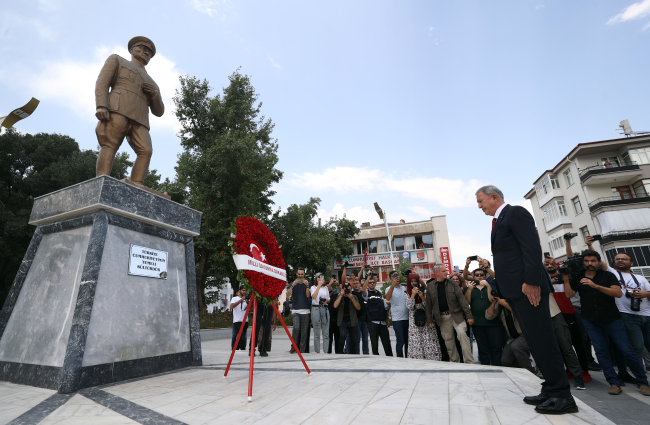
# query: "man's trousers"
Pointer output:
{"type": "Point", "coordinates": [242, 339]}
{"type": "Point", "coordinates": [447, 330]}
{"type": "Point", "coordinates": [344, 329]}
{"type": "Point", "coordinates": [379, 331]}
{"type": "Point", "coordinates": [563, 337]}
{"type": "Point", "coordinates": [300, 327]}
{"type": "Point", "coordinates": [517, 354]}
{"type": "Point", "coordinates": [537, 327]}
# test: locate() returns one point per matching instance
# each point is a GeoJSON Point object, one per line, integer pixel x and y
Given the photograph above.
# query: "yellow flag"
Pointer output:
{"type": "Point", "coordinates": [19, 114]}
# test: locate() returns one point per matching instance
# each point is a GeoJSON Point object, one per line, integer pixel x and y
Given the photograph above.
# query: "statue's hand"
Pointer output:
{"type": "Point", "coordinates": [102, 114]}
{"type": "Point", "coordinates": [148, 88]}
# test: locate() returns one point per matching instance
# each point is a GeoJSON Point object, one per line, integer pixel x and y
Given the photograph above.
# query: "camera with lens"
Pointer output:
{"type": "Point", "coordinates": [367, 266]}
{"type": "Point", "coordinates": [322, 301]}
{"type": "Point", "coordinates": [635, 303]}
{"type": "Point", "coordinates": [346, 264]}
{"type": "Point", "coordinates": [573, 266]}
{"type": "Point", "coordinates": [347, 288]}
{"type": "Point", "coordinates": [248, 297]}
{"type": "Point", "coordinates": [494, 293]}
{"type": "Point", "coordinates": [569, 236]}
{"type": "Point", "coordinates": [406, 273]}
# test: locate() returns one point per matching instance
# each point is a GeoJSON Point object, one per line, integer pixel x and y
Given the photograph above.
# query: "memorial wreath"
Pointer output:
{"type": "Point", "coordinates": [253, 244]}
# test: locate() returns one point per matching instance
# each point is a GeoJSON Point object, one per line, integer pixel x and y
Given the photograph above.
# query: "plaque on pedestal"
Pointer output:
{"type": "Point", "coordinates": [77, 315]}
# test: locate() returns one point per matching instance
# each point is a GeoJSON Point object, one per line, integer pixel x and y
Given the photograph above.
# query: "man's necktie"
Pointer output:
{"type": "Point", "coordinates": [494, 221]}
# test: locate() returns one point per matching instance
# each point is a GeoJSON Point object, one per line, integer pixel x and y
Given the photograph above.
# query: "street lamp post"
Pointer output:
{"type": "Point", "coordinates": [382, 215]}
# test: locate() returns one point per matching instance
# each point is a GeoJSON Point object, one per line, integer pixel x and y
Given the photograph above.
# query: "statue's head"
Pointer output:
{"type": "Point", "coordinates": [142, 49]}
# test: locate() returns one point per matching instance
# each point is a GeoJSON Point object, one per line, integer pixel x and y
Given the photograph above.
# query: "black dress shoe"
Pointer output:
{"type": "Point", "coordinates": [264, 354]}
{"type": "Point", "coordinates": [557, 406]}
{"type": "Point", "coordinates": [536, 399]}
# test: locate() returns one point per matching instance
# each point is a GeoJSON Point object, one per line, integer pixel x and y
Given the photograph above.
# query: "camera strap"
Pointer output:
{"type": "Point", "coordinates": [622, 282]}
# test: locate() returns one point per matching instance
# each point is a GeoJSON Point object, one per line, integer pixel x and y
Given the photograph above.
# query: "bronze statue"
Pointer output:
{"type": "Point", "coordinates": [124, 111]}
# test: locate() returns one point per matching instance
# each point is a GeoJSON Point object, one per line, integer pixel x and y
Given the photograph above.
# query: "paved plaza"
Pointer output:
{"type": "Point", "coordinates": [342, 389]}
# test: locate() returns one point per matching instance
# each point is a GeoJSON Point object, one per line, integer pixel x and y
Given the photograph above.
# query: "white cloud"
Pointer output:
{"type": "Point", "coordinates": [447, 192]}
{"type": "Point", "coordinates": [274, 63]}
{"type": "Point", "coordinates": [633, 11]}
{"type": "Point", "coordinates": [209, 7]}
{"type": "Point", "coordinates": [72, 83]}
{"type": "Point", "coordinates": [361, 215]}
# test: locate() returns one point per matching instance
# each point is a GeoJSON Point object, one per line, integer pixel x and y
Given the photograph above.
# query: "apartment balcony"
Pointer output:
{"type": "Point", "coordinates": [599, 174]}
{"type": "Point", "coordinates": [552, 225]}
{"type": "Point", "coordinates": [628, 235]}
{"type": "Point", "coordinates": [617, 201]}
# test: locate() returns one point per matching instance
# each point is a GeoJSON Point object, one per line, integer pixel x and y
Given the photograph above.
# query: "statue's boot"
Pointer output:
{"type": "Point", "coordinates": [139, 170]}
{"type": "Point", "coordinates": [105, 161]}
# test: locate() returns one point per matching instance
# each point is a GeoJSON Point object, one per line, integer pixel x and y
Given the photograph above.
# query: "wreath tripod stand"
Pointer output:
{"type": "Point", "coordinates": [253, 303]}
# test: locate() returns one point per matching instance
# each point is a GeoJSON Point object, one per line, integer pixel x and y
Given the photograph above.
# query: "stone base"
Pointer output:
{"type": "Point", "coordinates": [75, 317]}
{"type": "Point", "coordinates": [148, 189]}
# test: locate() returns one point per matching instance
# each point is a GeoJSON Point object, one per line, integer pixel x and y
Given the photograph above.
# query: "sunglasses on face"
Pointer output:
{"type": "Point", "coordinates": [479, 275]}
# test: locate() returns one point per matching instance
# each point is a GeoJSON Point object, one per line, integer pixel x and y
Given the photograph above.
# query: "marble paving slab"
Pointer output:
{"type": "Point", "coordinates": [346, 389]}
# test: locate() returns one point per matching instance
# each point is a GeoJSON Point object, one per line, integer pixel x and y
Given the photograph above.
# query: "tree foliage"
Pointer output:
{"type": "Point", "coordinates": [306, 244]}
{"type": "Point", "coordinates": [227, 166]}
{"type": "Point", "coordinates": [31, 166]}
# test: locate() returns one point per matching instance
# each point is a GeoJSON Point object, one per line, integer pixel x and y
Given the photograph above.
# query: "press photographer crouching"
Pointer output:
{"type": "Point", "coordinates": [601, 317]}
{"type": "Point", "coordinates": [516, 352]}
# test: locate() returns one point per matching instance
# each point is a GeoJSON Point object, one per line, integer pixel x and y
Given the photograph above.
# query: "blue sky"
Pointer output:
{"type": "Point", "coordinates": [413, 104]}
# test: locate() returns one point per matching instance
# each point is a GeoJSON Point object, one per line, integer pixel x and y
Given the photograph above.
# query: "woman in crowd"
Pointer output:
{"type": "Point", "coordinates": [486, 332]}
{"type": "Point", "coordinates": [423, 341]}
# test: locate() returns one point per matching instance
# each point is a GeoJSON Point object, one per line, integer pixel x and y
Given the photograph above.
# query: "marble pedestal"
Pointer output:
{"type": "Point", "coordinates": [74, 317]}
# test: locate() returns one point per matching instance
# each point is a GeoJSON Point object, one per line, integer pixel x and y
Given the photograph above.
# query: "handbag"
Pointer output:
{"type": "Point", "coordinates": [420, 317]}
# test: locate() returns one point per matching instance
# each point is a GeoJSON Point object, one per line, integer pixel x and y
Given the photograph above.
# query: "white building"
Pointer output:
{"type": "Point", "coordinates": [598, 188]}
{"type": "Point", "coordinates": [424, 243]}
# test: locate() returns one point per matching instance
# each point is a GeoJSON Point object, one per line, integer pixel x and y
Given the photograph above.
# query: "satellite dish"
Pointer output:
{"type": "Point", "coordinates": [626, 129]}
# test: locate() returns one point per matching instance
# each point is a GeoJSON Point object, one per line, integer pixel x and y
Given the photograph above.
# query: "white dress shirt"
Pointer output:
{"type": "Point", "coordinates": [496, 214]}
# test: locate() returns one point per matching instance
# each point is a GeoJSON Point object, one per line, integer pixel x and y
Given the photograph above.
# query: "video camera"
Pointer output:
{"type": "Point", "coordinates": [569, 236]}
{"type": "Point", "coordinates": [573, 266]}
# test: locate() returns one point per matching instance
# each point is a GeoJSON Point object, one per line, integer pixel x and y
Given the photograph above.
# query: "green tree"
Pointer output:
{"type": "Point", "coordinates": [31, 166]}
{"type": "Point", "coordinates": [306, 244]}
{"type": "Point", "coordinates": [227, 165]}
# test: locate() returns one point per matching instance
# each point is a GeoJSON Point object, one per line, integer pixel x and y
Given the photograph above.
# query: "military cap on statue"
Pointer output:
{"type": "Point", "coordinates": [140, 40]}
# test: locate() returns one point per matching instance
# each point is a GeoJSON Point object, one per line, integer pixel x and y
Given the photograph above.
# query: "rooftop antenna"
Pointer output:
{"type": "Point", "coordinates": [626, 129]}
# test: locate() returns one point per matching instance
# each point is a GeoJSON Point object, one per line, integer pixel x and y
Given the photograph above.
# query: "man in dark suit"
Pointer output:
{"type": "Point", "coordinates": [525, 284]}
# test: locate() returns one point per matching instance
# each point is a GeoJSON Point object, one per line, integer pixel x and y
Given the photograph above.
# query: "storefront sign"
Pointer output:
{"type": "Point", "coordinates": [147, 262]}
{"type": "Point", "coordinates": [444, 255]}
{"type": "Point", "coordinates": [378, 260]}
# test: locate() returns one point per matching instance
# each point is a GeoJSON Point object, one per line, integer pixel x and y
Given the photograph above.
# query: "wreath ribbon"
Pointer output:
{"type": "Point", "coordinates": [245, 262]}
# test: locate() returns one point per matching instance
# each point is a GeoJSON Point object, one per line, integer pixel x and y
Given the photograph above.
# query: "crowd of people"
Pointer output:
{"type": "Point", "coordinates": [442, 318]}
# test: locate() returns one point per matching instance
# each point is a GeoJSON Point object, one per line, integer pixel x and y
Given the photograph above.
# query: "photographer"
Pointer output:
{"type": "Point", "coordinates": [348, 306]}
{"type": "Point", "coordinates": [334, 314]}
{"type": "Point", "coordinates": [238, 306]}
{"type": "Point", "coordinates": [486, 332]}
{"type": "Point", "coordinates": [397, 296]}
{"type": "Point", "coordinates": [568, 314]}
{"type": "Point", "coordinates": [319, 313]}
{"type": "Point", "coordinates": [482, 265]}
{"type": "Point", "coordinates": [376, 313]}
{"type": "Point", "coordinates": [362, 327]}
{"type": "Point", "coordinates": [601, 317]}
{"type": "Point", "coordinates": [423, 341]}
{"type": "Point", "coordinates": [634, 305]}
{"type": "Point", "coordinates": [516, 352]}
{"type": "Point", "coordinates": [301, 310]}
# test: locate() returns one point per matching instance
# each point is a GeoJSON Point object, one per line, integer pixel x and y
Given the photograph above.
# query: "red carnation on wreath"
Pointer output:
{"type": "Point", "coordinates": [254, 239]}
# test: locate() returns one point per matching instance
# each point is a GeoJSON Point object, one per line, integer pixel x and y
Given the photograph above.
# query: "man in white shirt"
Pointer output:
{"type": "Point", "coordinates": [238, 306]}
{"type": "Point", "coordinates": [320, 298]}
{"type": "Point", "coordinates": [636, 290]}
